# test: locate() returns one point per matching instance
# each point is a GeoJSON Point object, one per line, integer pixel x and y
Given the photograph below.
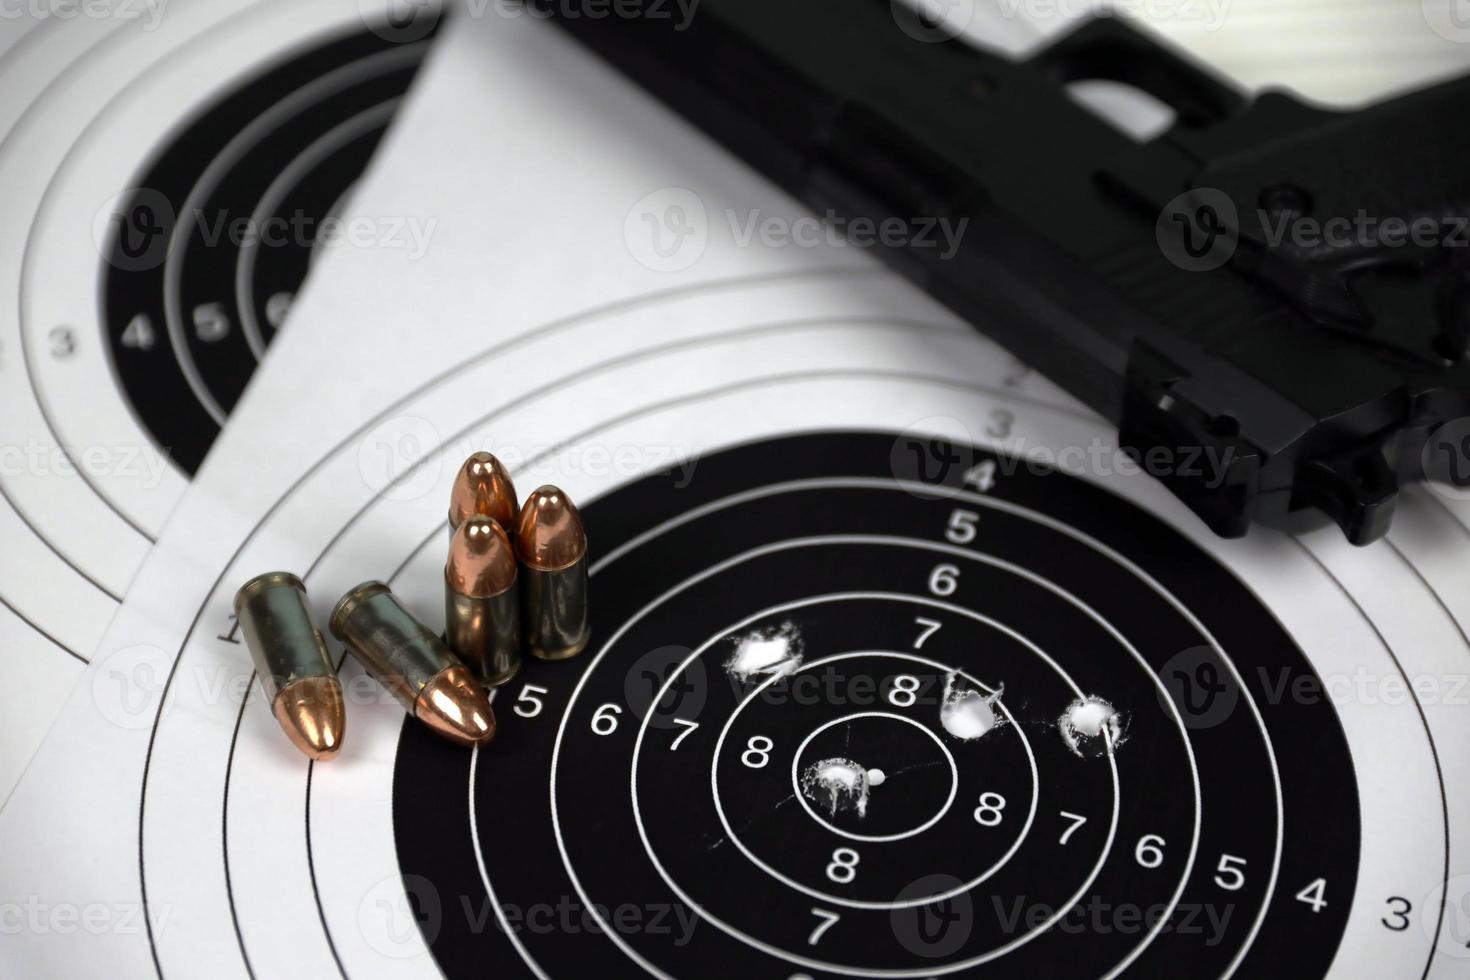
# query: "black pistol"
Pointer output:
{"type": "Point", "coordinates": [1281, 287]}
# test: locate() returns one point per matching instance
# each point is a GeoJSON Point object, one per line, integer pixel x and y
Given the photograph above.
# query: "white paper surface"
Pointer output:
{"type": "Point", "coordinates": [92, 92]}
{"type": "Point", "coordinates": [558, 312]}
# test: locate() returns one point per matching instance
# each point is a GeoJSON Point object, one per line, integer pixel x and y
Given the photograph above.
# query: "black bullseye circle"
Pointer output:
{"type": "Point", "coordinates": [863, 705]}
{"type": "Point", "coordinates": [810, 853]}
{"type": "Point", "coordinates": [210, 246]}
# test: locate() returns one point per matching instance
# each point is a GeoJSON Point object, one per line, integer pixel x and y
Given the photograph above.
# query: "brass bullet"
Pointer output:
{"type": "Point", "coordinates": [552, 547]}
{"type": "Point", "coordinates": [482, 610]}
{"type": "Point", "coordinates": [412, 663]}
{"type": "Point", "coordinates": [482, 486]}
{"type": "Point", "coordinates": [291, 658]}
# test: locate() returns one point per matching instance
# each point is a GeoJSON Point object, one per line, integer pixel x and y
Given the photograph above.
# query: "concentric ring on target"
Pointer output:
{"type": "Point", "coordinates": [734, 837]}
{"type": "Point", "coordinates": [891, 541]}
{"type": "Point", "coordinates": [725, 927]}
{"type": "Point", "coordinates": [1022, 512]}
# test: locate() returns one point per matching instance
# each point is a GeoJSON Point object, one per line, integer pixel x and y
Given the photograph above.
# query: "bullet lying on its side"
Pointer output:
{"type": "Point", "coordinates": [414, 664]}
{"type": "Point", "coordinates": [293, 663]}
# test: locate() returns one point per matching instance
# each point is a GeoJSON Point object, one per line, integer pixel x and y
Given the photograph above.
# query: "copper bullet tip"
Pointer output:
{"type": "Point", "coordinates": [313, 714]}
{"type": "Point", "coordinates": [550, 535]}
{"type": "Point", "coordinates": [482, 486]}
{"type": "Point", "coordinates": [454, 706]}
{"type": "Point", "coordinates": [481, 561]}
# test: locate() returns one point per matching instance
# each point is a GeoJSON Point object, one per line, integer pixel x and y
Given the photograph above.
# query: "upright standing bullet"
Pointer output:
{"type": "Point", "coordinates": [482, 486]}
{"type": "Point", "coordinates": [293, 663]}
{"type": "Point", "coordinates": [413, 663]}
{"type": "Point", "coordinates": [552, 547]}
{"type": "Point", "coordinates": [482, 610]}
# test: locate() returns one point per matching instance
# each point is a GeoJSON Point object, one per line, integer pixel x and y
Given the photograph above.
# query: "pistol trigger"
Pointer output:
{"type": "Point", "coordinates": [1357, 490]}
